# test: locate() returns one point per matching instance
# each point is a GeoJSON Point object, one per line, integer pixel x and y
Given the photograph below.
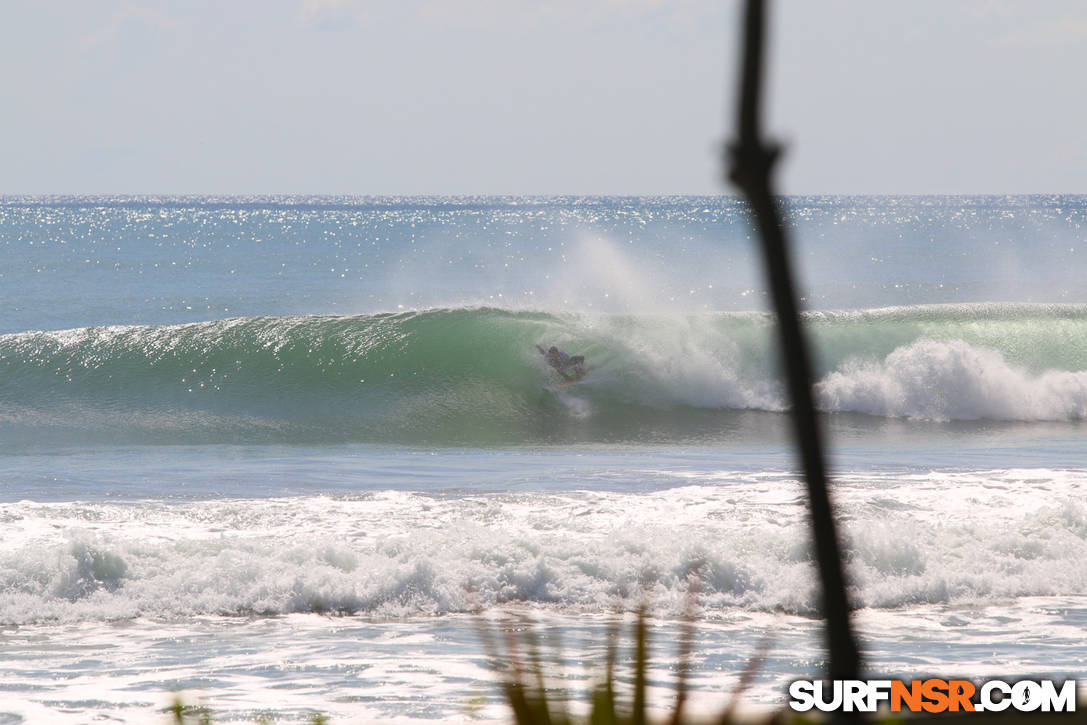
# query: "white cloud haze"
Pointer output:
{"type": "Point", "coordinates": [551, 96]}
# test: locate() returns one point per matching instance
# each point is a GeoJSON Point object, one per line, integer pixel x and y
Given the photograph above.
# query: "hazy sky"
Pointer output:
{"type": "Point", "coordinates": [534, 96]}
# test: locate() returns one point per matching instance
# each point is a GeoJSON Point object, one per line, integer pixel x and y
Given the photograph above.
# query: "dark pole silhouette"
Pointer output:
{"type": "Point", "coordinates": [752, 161]}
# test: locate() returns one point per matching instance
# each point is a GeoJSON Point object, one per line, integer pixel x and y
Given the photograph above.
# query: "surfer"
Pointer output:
{"type": "Point", "coordinates": [570, 367]}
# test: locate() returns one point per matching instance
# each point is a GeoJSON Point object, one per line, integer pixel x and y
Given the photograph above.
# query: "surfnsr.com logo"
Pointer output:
{"type": "Point", "coordinates": [933, 695]}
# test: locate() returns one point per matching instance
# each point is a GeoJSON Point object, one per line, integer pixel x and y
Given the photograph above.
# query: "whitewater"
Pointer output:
{"type": "Point", "coordinates": [283, 454]}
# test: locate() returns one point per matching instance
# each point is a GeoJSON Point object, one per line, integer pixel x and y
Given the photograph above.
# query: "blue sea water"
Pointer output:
{"type": "Point", "coordinates": [274, 452]}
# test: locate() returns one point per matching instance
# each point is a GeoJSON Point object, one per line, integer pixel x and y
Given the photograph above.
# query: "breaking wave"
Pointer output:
{"type": "Point", "coordinates": [472, 375]}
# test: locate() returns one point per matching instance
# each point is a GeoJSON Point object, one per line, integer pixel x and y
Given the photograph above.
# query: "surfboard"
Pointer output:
{"type": "Point", "coordinates": [563, 384]}
{"type": "Point", "coordinates": [556, 387]}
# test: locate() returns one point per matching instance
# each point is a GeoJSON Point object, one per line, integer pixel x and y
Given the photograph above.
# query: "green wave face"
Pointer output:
{"type": "Point", "coordinates": [473, 376]}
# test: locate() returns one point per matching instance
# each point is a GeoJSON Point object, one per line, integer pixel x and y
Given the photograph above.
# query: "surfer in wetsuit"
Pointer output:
{"type": "Point", "coordinates": [570, 367]}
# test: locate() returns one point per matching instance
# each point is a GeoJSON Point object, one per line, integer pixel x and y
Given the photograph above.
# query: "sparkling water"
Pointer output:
{"type": "Point", "coordinates": [276, 453]}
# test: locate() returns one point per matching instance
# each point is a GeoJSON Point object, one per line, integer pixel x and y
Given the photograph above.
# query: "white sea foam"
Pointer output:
{"type": "Point", "coordinates": [939, 537]}
{"type": "Point", "coordinates": [952, 380]}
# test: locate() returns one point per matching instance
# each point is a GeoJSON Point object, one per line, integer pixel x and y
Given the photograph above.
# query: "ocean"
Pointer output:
{"type": "Point", "coordinates": [285, 454]}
